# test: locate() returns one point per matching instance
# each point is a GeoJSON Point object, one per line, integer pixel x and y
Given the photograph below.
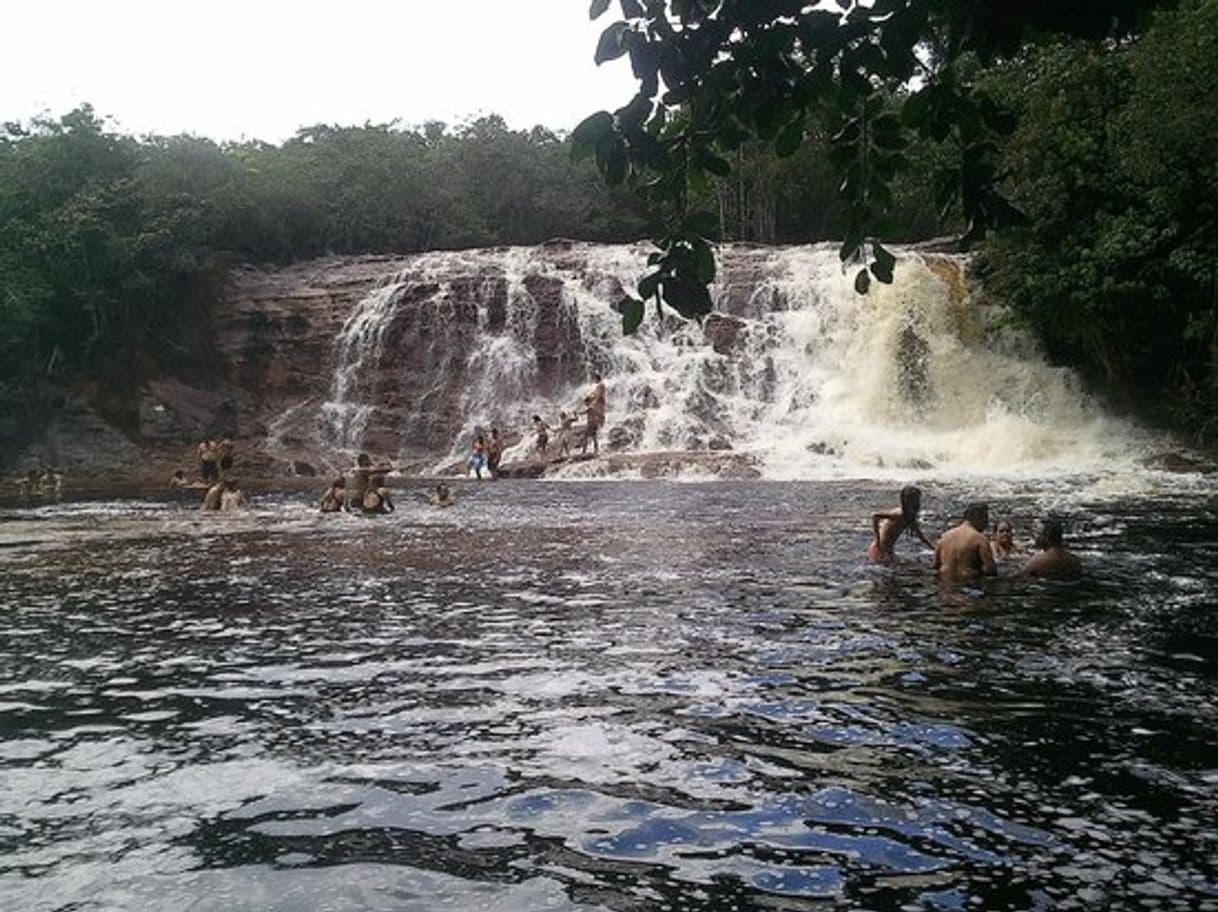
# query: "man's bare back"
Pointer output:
{"type": "Point", "coordinates": [963, 554]}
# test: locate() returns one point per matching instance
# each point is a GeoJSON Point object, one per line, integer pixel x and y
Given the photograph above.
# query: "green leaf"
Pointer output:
{"type": "Point", "coordinates": [632, 9]}
{"type": "Point", "coordinates": [883, 265]}
{"type": "Point", "coordinates": [704, 262]}
{"type": "Point", "coordinates": [789, 139]}
{"type": "Point", "coordinates": [862, 281]}
{"type": "Point", "coordinates": [598, 7]}
{"type": "Point", "coordinates": [632, 314]}
{"type": "Point", "coordinates": [650, 283]}
{"type": "Point", "coordinates": [711, 162]}
{"type": "Point", "coordinates": [688, 298]}
{"type": "Point", "coordinates": [702, 224]}
{"type": "Point", "coordinates": [610, 46]}
{"type": "Point", "coordinates": [584, 138]}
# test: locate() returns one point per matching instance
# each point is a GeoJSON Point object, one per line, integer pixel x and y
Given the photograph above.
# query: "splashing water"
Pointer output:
{"type": "Point", "coordinates": [796, 372]}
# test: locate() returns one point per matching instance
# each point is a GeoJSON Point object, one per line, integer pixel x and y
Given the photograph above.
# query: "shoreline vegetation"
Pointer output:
{"type": "Point", "coordinates": [113, 247]}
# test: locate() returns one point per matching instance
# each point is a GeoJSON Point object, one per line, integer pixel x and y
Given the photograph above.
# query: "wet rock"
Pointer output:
{"type": "Point", "coordinates": [719, 443]}
{"type": "Point", "coordinates": [300, 467]}
{"type": "Point", "coordinates": [722, 332]}
{"type": "Point", "coordinates": [1180, 463]}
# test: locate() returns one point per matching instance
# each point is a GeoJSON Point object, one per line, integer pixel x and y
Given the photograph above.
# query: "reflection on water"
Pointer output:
{"type": "Point", "coordinates": [601, 696]}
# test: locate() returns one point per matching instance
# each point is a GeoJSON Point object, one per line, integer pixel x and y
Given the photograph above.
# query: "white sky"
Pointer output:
{"type": "Point", "coordinates": [262, 68]}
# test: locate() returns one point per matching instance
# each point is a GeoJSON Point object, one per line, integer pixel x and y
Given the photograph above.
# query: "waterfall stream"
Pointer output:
{"type": "Point", "coordinates": [796, 371]}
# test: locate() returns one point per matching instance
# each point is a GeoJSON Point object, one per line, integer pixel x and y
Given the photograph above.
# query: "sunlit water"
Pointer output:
{"type": "Point", "coordinates": [619, 696]}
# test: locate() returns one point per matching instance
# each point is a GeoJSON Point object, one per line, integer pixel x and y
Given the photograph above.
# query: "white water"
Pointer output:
{"type": "Point", "coordinates": [822, 382]}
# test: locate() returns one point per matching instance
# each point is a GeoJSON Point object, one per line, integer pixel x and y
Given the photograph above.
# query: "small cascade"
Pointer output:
{"type": "Point", "coordinates": [795, 372]}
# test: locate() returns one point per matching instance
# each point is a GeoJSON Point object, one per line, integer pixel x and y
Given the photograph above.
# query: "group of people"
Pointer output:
{"type": "Point", "coordinates": [34, 483]}
{"type": "Point", "coordinates": [221, 491]}
{"type": "Point", "coordinates": [215, 459]}
{"type": "Point", "coordinates": [594, 419]}
{"type": "Point", "coordinates": [969, 552]}
{"type": "Point", "coordinates": [368, 492]}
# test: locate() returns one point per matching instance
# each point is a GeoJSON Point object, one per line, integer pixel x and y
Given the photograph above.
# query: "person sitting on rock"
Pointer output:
{"type": "Point", "coordinates": [335, 497]}
{"type": "Point", "coordinates": [377, 498]}
{"type": "Point", "coordinates": [1053, 561]}
{"type": "Point", "coordinates": [178, 479]}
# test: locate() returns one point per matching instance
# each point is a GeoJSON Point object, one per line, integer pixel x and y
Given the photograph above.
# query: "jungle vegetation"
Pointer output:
{"type": "Point", "coordinates": [1075, 153]}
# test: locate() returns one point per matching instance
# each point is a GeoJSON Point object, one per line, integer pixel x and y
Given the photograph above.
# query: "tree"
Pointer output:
{"type": "Point", "coordinates": [714, 74]}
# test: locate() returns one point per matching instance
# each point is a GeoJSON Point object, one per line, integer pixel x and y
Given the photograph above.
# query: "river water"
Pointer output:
{"type": "Point", "coordinates": [604, 695]}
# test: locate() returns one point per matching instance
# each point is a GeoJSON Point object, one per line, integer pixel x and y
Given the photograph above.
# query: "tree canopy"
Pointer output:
{"type": "Point", "coordinates": [863, 76]}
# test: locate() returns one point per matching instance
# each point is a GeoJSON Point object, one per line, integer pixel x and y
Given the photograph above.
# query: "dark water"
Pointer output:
{"type": "Point", "coordinates": [624, 696]}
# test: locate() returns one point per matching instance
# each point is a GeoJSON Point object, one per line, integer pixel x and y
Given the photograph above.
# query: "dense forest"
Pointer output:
{"type": "Point", "coordinates": [111, 244]}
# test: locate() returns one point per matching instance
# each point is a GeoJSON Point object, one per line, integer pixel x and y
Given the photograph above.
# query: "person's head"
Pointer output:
{"type": "Point", "coordinates": [230, 484]}
{"type": "Point", "coordinates": [442, 490]}
{"type": "Point", "coordinates": [587, 400]}
{"type": "Point", "coordinates": [363, 460]}
{"type": "Point", "coordinates": [481, 439]}
{"type": "Point", "coordinates": [1051, 532]}
{"type": "Point", "coordinates": [977, 515]}
{"type": "Point", "coordinates": [537, 419]}
{"type": "Point", "coordinates": [911, 502]}
{"type": "Point", "coordinates": [494, 432]}
{"type": "Point", "coordinates": [562, 415]}
{"type": "Point", "coordinates": [1004, 533]}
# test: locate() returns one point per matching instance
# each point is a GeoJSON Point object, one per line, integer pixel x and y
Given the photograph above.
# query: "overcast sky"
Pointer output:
{"type": "Point", "coordinates": [262, 68]}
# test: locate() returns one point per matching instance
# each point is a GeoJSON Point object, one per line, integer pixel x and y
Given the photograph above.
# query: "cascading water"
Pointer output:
{"type": "Point", "coordinates": [798, 374]}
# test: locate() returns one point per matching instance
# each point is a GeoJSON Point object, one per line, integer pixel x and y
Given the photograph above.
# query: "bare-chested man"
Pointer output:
{"type": "Point", "coordinates": [360, 476]}
{"type": "Point", "coordinates": [208, 454]}
{"type": "Point", "coordinates": [1053, 561]}
{"type": "Point", "coordinates": [963, 554]}
{"type": "Point", "coordinates": [335, 497]}
{"type": "Point", "coordinates": [889, 525]}
{"type": "Point", "coordinates": [594, 408]}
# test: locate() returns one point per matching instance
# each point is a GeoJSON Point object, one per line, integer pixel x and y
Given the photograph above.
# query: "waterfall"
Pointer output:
{"type": "Point", "coordinates": [795, 372]}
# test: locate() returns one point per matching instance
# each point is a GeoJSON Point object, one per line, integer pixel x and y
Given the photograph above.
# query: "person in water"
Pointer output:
{"type": "Point", "coordinates": [443, 496]}
{"type": "Point", "coordinates": [178, 479]}
{"type": "Point", "coordinates": [543, 435]}
{"type": "Point", "coordinates": [889, 525]}
{"type": "Point", "coordinates": [225, 496]}
{"type": "Point", "coordinates": [1003, 543]}
{"type": "Point", "coordinates": [377, 498]}
{"type": "Point", "coordinates": [963, 554]}
{"type": "Point", "coordinates": [335, 497]}
{"type": "Point", "coordinates": [1053, 561]}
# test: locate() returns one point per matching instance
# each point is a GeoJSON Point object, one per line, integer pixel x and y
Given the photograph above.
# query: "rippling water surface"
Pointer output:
{"type": "Point", "coordinates": [620, 696]}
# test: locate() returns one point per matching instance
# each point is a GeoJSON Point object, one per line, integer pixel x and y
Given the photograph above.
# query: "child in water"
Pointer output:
{"type": "Point", "coordinates": [889, 525]}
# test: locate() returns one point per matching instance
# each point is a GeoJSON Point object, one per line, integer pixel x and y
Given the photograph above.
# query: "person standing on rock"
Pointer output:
{"type": "Point", "coordinates": [477, 457]}
{"type": "Point", "coordinates": [359, 482]}
{"type": "Point", "coordinates": [494, 452]}
{"type": "Point", "coordinates": [543, 436]}
{"type": "Point", "coordinates": [565, 423]}
{"type": "Point", "coordinates": [208, 470]}
{"type": "Point", "coordinates": [594, 408]}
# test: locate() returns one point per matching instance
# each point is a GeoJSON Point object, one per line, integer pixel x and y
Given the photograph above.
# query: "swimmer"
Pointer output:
{"type": "Point", "coordinates": [1003, 542]}
{"type": "Point", "coordinates": [178, 479]}
{"type": "Point", "coordinates": [889, 525]}
{"type": "Point", "coordinates": [232, 498]}
{"type": "Point", "coordinates": [377, 498]}
{"type": "Point", "coordinates": [443, 496]}
{"type": "Point", "coordinates": [963, 554]}
{"type": "Point", "coordinates": [335, 497]}
{"type": "Point", "coordinates": [1053, 561]}
{"type": "Point", "coordinates": [211, 500]}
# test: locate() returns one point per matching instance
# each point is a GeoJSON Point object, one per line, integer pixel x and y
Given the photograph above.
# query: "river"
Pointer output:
{"type": "Point", "coordinates": [605, 695]}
